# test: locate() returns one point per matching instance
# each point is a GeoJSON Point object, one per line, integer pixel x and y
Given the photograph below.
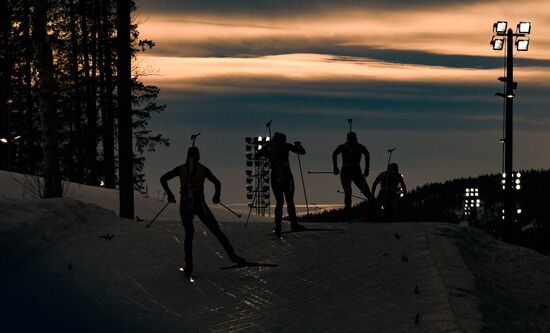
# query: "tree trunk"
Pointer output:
{"type": "Point", "coordinates": [48, 112]}
{"type": "Point", "coordinates": [30, 138]}
{"type": "Point", "coordinates": [76, 137]}
{"type": "Point", "coordinates": [107, 95]}
{"type": "Point", "coordinates": [91, 111]}
{"type": "Point", "coordinates": [126, 170]}
{"type": "Point", "coordinates": [5, 89]}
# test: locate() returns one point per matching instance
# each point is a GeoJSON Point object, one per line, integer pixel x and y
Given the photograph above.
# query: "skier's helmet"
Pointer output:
{"type": "Point", "coordinates": [193, 152]}
{"type": "Point", "coordinates": [279, 137]}
{"type": "Point", "coordinates": [352, 137]}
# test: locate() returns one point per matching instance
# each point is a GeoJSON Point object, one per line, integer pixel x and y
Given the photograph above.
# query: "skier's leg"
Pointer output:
{"type": "Point", "coordinates": [206, 216]}
{"type": "Point", "coordinates": [345, 179]}
{"type": "Point", "coordinates": [279, 202]}
{"type": "Point", "coordinates": [362, 184]}
{"type": "Point", "coordinates": [288, 191]}
{"type": "Point", "coordinates": [187, 222]}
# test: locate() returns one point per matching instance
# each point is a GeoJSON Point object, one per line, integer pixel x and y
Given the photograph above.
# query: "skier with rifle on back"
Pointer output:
{"type": "Point", "coordinates": [282, 181]}
{"type": "Point", "coordinates": [390, 183]}
{"type": "Point", "coordinates": [192, 202]}
{"type": "Point", "coordinates": [351, 152]}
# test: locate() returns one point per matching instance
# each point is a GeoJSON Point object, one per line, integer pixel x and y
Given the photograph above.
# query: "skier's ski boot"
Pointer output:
{"type": "Point", "coordinates": [187, 271]}
{"type": "Point", "coordinates": [277, 230]}
{"type": "Point", "coordinates": [236, 259]}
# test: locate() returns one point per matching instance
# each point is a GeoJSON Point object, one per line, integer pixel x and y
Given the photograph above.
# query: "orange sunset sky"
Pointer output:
{"type": "Point", "coordinates": [416, 75]}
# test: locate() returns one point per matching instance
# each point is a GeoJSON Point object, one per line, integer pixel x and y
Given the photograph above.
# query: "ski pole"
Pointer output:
{"type": "Point", "coordinates": [194, 137]}
{"type": "Point", "coordinates": [389, 158]}
{"type": "Point", "coordinates": [355, 196]}
{"type": "Point", "coordinates": [250, 210]}
{"type": "Point", "coordinates": [154, 218]}
{"type": "Point", "coordinates": [229, 209]}
{"type": "Point", "coordinates": [268, 125]}
{"type": "Point", "coordinates": [319, 172]}
{"type": "Point", "coordinates": [303, 183]}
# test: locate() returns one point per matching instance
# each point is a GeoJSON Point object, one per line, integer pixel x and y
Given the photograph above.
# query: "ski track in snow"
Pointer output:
{"type": "Point", "coordinates": [69, 279]}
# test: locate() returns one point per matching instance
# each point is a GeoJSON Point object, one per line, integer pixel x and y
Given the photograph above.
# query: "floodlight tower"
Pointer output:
{"type": "Point", "coordinates": [257, 176]}
{"type": "Point", "coordinates": [502, 36]}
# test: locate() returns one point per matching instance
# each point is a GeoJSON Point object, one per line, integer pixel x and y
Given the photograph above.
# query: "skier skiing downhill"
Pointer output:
{"type": "Point", "coordinates": [351, 152]}
{"type": "Point", "coordinates": [282, 182]}
{"type": "Point", "coordinates": [390, 181]}
{"type": "Point", "coordinates": [192, 202]}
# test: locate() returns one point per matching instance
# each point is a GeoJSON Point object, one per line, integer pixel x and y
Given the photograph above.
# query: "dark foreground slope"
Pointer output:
{"type": "Point", "coordinates": [358, 277]}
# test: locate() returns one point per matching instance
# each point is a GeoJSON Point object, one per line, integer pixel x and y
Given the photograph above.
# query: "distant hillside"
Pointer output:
{"type": "Point", "coordinates": [444, 202]}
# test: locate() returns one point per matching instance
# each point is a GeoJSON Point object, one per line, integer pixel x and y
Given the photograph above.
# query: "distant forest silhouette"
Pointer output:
{"type": "Point", "coordinates": [444, 202]}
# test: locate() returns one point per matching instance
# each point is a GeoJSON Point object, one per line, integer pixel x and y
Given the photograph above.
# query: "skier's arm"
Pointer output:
{"type": "Point", "coordinates": [375, 184]}
{"type": "Point", "coordinates": [335, 154]}
{"type": "Point", "coordinates": [296, 148]}
{"type": "Point", "coordinates": [367, 160]}
{"type": "Point", "coordinates": [164, 182]}
{"type": "Point", "coordinates": [217, 185]}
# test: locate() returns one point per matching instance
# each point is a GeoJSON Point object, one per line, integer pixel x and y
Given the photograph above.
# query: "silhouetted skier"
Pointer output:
{"type": "Point", "coordinates": [282, 182]}
{"type": "Point", "coordinates": [192, 175]}
{"type": "Point", "coordinates": [390, 183]}
{"type": "Point", "coordinates": [351, 152]}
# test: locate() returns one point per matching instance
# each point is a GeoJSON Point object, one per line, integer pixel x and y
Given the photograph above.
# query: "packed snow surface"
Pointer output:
{"type": "Point", "coordinates": [70, 266]}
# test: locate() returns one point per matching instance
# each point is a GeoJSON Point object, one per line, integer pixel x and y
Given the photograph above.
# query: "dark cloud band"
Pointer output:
{"type": "Point", "coordinates": [269, 8]}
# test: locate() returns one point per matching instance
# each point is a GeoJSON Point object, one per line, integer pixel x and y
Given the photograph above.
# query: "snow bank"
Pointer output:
{"type": "Point", "coordinates": [20, 186]}
{"type": "Point", "coordinates": [28, 226]}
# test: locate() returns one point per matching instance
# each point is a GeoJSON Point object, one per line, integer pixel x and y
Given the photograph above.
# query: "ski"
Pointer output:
{"type": "Point", "coordinates": [187, 277]}
{"type": "Point", "coordinates": [249, 264]}
{"type": "Point", "coordinates": [314, 229]}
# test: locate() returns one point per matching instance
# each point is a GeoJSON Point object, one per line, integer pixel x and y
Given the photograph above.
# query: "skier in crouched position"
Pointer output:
{"type": "Point", "coordinates": [391, 184]}
{"type": "Point", "coordinates": [192, 202]}
{"type": "Point", "coordinates": [282, 181]}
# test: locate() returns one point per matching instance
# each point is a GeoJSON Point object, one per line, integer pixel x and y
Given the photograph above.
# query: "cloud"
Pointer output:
{"type": "Point", "coordinates": [451, 30]}
{"type": "Point", "coordinates": [285, 7]}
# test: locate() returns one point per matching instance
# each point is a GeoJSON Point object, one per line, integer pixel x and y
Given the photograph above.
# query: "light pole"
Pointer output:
{"type": "Point", "coordinates": [503, 36]}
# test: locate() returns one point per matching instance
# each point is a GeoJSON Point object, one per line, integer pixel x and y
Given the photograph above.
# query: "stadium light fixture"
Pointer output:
{"type": "Point", "coordinates": [500, 27]}
{"type": "Point", "coordinates": [497, 43]}
{"type": "Point", "coordinates": [3, 140]}
{"type": "Point", "coordinates": [522, 44]}
{"type": "Point", "coordinates": [524, 27]}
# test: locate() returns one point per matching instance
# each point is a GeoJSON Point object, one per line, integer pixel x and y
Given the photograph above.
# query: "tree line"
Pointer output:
{"type": "Point", "coordinates": [444, 202]}
{"type": "Point", "coordinates": [72, 106]}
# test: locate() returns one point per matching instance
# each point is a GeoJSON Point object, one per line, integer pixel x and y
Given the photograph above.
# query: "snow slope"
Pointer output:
{"type": "Point", "coordinates": [19, 186]}
{"type": "Point", "coordinates": [399, 277]}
